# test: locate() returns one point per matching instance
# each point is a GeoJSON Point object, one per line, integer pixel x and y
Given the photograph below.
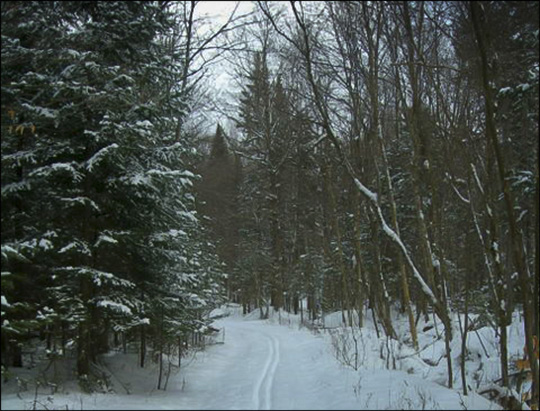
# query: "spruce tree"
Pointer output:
{"type": "Point", "coordinates": [218, 190]}
{"type": "Point", "coordinates": [98, 207]}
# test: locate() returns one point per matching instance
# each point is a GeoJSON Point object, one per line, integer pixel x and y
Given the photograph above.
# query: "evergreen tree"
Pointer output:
{"type": "Point", "coordinates": [218, 192]}
{"type": "Point", "coordinates": [98, 209]}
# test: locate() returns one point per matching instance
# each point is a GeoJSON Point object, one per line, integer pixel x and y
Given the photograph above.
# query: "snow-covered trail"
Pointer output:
{"type": "Point", "coordinates": [263, 366]}
{"type": "Point", "coordinates": [239, 374]}
{"type": "Point", "coordinates": [268, 366]}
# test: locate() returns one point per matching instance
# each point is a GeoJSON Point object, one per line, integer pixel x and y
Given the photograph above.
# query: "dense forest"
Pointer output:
{"type": "Point", "coordinates": [370, 155]}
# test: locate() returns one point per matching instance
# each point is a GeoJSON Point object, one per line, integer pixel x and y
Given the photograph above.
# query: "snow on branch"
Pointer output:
{"type": "Point", "coordinates": [47, 171]}
{"type": "Point", "coordinates": [118, 307]}
{"type": "Point", "coordinates": [392, 234]}
{"type": "Point", "coordinates": [71, 201]}
{"type": "Point", "coordinates": [77, 246]}
{"type": "Point", "coordinates": [98, 277]}
{"type": "Point", "coordinates": [15, 188]}
{"type": "Point", "coordinates": [366, 191]}
{"type": "Point", "coordinates": [171, 173]}
{"type": "Point", "coordinates": [41, 111]}
{"type": "Point", "coordinates": [10, 252]}
{"type": "Point", "coordinates": [5, 302]}
{"type": "Point", "coordinates": [99, 156]}
{"type": "Point", "coordinates": [105, 238]}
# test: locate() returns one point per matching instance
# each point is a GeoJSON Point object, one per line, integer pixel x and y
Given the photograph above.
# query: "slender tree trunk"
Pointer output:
{"type": "Point", "coordinates": [277, 271]}
{"type": "Point", "coordinates": [16, 355]}
{"type": "Point", "coordinates": [421, 164]}
{"type": "Point", "coordinates": [143, 345]}
{"type": "Point", "coordinates": [378, 286]}
{"type": "Point", "coordinates": [161, 344]}
{"type": "Point", "coordinates": [360, 285]}
{"type": "Point", "coordinates": [83, 356]}
{"type": "Point", "coordinates": [345, 306]}
{"type": "Point", "coordinates": [495, 282]}
{"type": "Point", "coordinates": [143, 338]}
{"type": "Point", "coordinates": [84, 331]}
{"type": "Point", "coordinates": [401, 264]}
{"type": "Point", "coordinates": [464, 339]}
{"type": "Point", "coordinates": [536, 291]}
{"type": "Point", "coordinates": [180, 351]}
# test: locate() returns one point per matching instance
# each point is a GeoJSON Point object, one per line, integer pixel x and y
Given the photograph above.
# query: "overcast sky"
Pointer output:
{"type": "Point", "coordinates": [218, 12]}
{"type": "Point", "coordinates": [221, 9]}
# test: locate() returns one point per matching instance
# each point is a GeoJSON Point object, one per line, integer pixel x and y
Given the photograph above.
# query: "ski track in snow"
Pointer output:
{"type": "Point", "coordinates": [262, 393]}
{"type": "Point", "coordinates": [270, 379]}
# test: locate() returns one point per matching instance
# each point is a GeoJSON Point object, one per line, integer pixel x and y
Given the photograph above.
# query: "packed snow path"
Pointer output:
{"type": "Point", "coordinates": [264, 365]}
{"type": "Point", "coordinates": [269, 366]}
{"type": "Point", "coordinates": [262, 393]}
{"type": "Point", "coordinates": [242, 372]}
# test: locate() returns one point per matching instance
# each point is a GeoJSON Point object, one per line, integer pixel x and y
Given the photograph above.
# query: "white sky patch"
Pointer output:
{"type": "Point", "coordinates": [219, 11]}
{"type": "Point", "coordinates": [216, 14]}
{"type": "Point", "coordinates": [212, 15]}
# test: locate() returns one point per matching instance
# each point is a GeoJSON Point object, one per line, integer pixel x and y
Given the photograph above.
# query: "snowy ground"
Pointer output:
{"type": "Point", "coordinates": [266, 365]}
